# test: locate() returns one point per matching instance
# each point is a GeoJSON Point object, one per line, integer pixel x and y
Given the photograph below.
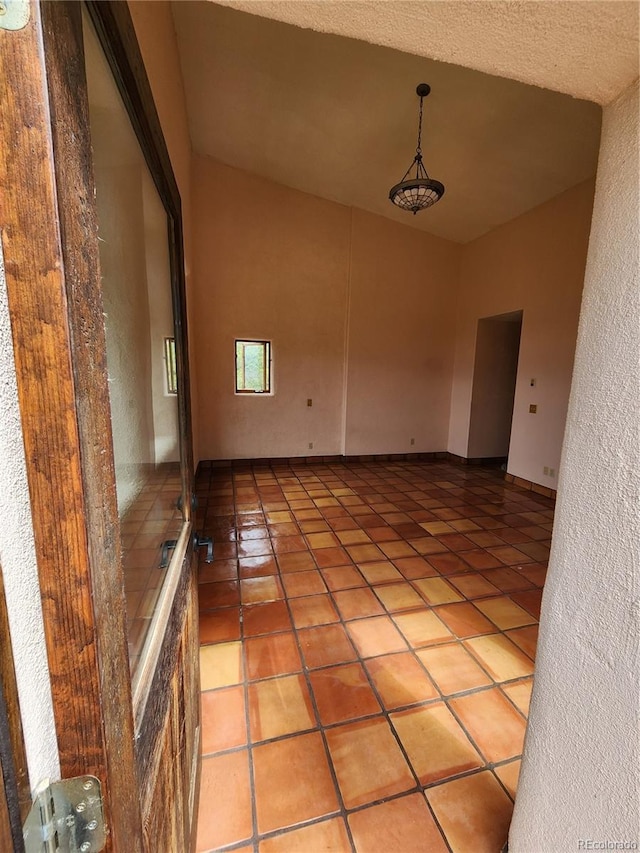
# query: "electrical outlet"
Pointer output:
{"type": "Point", "coordinates": [546, 470]}
{"type": "Point", "coordinates": [310, 445]}
{"type": "Point", "coordinates": [309, 401]}
{"type": "Point", "coordinates": [533, 409]}
{"type": "Point", "coordinates": [552, 472]}
{"type": "Point", "coordinates": [413, 441]}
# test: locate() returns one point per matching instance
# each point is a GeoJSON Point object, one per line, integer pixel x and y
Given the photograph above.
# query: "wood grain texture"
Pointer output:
{"type": "Point", "coordinates": [49, 233]}
{"type": "Point", "coordinates": [50, 248]}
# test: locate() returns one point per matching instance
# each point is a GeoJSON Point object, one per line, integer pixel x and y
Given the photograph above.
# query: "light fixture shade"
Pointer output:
{"type": "Point", "coordinates": [421, 191]}
{"type": "Point", "coordinates": [417, 194]}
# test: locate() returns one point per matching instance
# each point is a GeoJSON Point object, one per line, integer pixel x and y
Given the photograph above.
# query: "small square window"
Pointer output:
{"type": "Point", "coordinates": [253, 367]}
{"type": "Point", "coordinates": [170, 365]}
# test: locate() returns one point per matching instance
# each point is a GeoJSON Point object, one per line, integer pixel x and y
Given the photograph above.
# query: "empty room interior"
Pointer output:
{"type": "Point", "coordinates": [402, 424]}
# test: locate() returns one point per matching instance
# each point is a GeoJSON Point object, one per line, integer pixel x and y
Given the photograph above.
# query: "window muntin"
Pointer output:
{"type": "Point", "coordinates": [253, 367]}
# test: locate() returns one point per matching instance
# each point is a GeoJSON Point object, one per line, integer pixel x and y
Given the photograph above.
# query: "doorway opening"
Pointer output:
{"type": "Point", "coordinates": [494, 387]}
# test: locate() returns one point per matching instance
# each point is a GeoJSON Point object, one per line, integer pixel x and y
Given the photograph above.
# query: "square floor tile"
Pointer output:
{"type": "Point", "coordinates": [381, 572]}
{"type": "Point", "coordinates": [220, 665]}
{"type": "Point", "coordinates": [222, 721]}
{"type": "Point", "coordinates": [257, 590]}
{"type": "Point", "coordinates": [412, 568]}
{"type": "Point", "coordinates": [398, 596]}
{"type": "Point", "coordinates": [357, 603]}
{"type": "Point", "coordinates": [326, 558]}
{"type": "Point", "coordinates": [526, 639]}
{"type": "Point", "coordinates": [509, 555]}
{"type": "Point", "coordinates": [507, 579]}
{"type": "Point", "coordinates": [480, 559]}
{"type": "Point", "coordinates": [495, 726]}
{"type": "Point", "coordinates": [403, 825]}
{"type": "Point", "coordinates": [296, 561]}
{"type": "Point", "coordinates": [255, 567]}
{"type": "Point", "coordinates": [448, 564]}
{"type": "Point", "coordinates": [397, 550]}
{"type": "Point", "coordinates": [267, 618]}
{"type": "Point", "coordinates": [473, 585]}
{"type": "Point", "coordinates": [353, 537]}
{"type": "Point", "coordinates": [436, 591]}
{"type": "Point", "coordinates": [279, 706]}
{"type": "Point", "coordinates": [422, 628]}
{"type": "Point", "coordinates": [219, 594]}
{"type": "Point", "coordinates": [464, 620]}
{"type": "Point", "coordinates": [217, 626]}
{"type": "Point", "coordinates": [328, 836]}
{"type": "Point", "coordinates": [520, 694]}
{"type": "Point", "coordinates": [453, 669]}
{"type": "Point", "coordinates": [293, 783]}
{"type": "Point", "coordinates": [436, 745]}
{"type": "Point", "coordinates": [342, 577]}
{"type": "Point", "coordinates": [509, 774]}
{"type": "Point", "coordinates": [365, 553]}
{"type": "Point", "coordinates": [325, 645]}
{"type": "Point", "coordinates": [426, 545]}
{"type": "Point", "coordinates": [225, 781]}
{"type": "Point", "coordinates": [356, 748]}
{"type": "Point", "coordinates": [504, 613]}
{"type": "Point", "coordinates": [474, 812]}
{"type": "Point", "coordinates": [343, 693]}
{"type": "Point", "coordinates": [400, 680]}
{"type": "Point", "coordinates": [376, 636]}
{"type": "Point", "coordinates": [297, 584]}
{"type": "Point", "coordinates": [500, 657]}
{"type": "Point", "coordinates": [530, 599]}
{"type": "Point", "coordinates": [313, 610]}
{"type": "Point", "coordinates": [289, 544]}
{"type": "Point", "coordinates": [274, 654]}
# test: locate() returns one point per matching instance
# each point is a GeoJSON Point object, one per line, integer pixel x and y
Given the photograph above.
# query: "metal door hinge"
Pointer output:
{"type": "Point", "coordinates": [14, 14]}
{"type": "Point", "coordinates": [66, 817]}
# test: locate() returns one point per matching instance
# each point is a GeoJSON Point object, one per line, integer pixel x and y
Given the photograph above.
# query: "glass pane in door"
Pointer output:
{"type": "Point", "coordinates": [139, 320]}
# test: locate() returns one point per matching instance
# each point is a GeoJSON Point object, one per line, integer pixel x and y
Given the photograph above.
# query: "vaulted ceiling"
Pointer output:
{"type": "Point", "coordinates": [337, 117]}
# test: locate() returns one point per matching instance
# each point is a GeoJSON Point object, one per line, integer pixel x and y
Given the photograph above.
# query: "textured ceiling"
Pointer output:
{"type": "Point", "coordinates": [584, 48]}
{"type": "Point", "coordinates": [336, 117]}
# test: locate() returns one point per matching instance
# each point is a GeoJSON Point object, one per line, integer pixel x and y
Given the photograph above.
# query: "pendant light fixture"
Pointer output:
{"type": "Point", "coordinates": [421, 191]}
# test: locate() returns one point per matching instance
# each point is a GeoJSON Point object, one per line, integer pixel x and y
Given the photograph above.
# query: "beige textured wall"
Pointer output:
{"type": "Point", "coordinates": [401, 334]}
{"type": "Point", "coordinates": [153, 23]}
{"type": "Point", "coordinates": [535, 263]}
{"type": "Point", "coordinates": [580, 775]}
{"type": "Point", "coordinates": [360, 311]}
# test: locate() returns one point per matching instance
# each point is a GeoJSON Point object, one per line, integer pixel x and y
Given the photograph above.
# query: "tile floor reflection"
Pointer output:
{"type": "Point", "coordinates": [368, 631]}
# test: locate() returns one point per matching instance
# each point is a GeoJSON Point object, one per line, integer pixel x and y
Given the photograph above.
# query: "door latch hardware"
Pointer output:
{"type": "Point", "coordinates": [66, 817]}
{"type": "Point", "coordinates": [199, 541]}
{"type": "Point", "coordinates": [167, 545]}
{"type": "Point", "coordinates": [14, 14]}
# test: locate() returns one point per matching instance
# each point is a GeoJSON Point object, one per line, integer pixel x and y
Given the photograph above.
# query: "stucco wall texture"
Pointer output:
{"type": "Point", "coordinates": [580, 773]}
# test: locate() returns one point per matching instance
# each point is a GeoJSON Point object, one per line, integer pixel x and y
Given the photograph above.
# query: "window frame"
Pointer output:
{"type": "Point", "coordinates": [268, 367]}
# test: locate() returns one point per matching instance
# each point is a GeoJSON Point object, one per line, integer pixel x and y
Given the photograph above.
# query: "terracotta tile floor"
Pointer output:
{"type": "Point", "coordinates": [367, 642]}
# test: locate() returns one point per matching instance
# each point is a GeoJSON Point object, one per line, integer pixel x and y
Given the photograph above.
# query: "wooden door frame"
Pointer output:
{"type": "Point", "coordinates": [50, 240]}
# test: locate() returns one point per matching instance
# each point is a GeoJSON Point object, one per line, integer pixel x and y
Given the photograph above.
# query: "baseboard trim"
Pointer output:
{"type": "Point", "coordinates": [283, 461]}
{"type": "Point", "coordinates": [531, 486]}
